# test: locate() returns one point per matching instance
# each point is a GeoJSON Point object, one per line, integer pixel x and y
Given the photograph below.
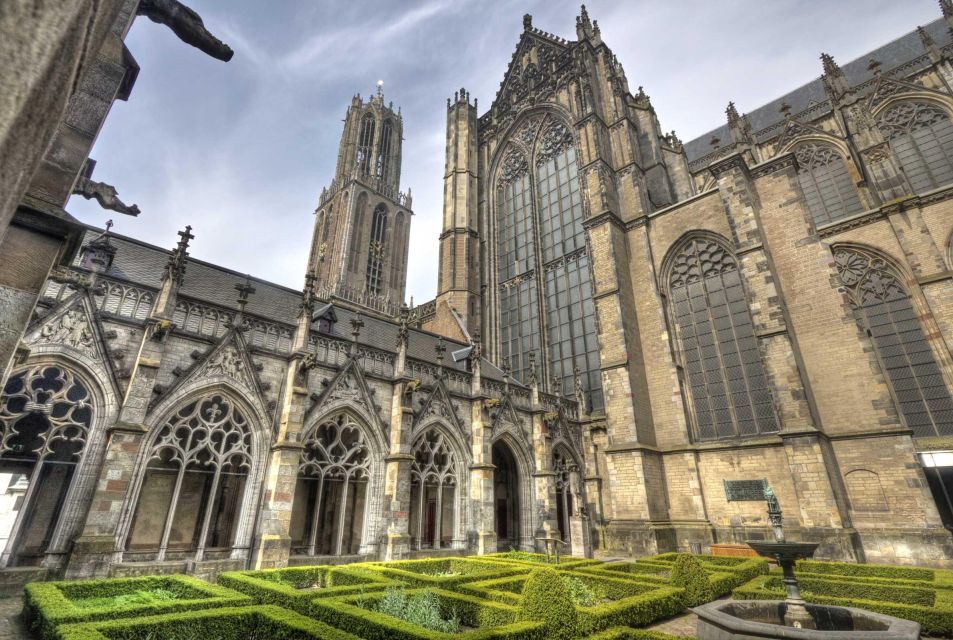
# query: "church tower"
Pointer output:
{"type": "Point", "coordinates": [362, 223]}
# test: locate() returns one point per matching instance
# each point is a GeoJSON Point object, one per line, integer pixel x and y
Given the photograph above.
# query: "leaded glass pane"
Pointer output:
{"type": "Point", "coordinates": [723, 367]}
{"type": "Point", "coordinates": [826, 184]}
{"type": "Point", "coordinates": [884, 309]}
{"type": "Point", "coordinates": [921, 137]}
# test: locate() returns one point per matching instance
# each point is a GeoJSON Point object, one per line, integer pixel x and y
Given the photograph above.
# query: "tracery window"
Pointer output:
{"type": "Point", "coordinates": [374, 279]}
{"type": "Point", "coordinates": [193, 490]}
{"type": "Point", "coordinates": [326, 226]}
{"type": "Point", "coordinates": [727, 383]}
{"type": "Point", "coordinates": [921, 136]}
{"type": "Point", "coordinates": [828, 189]}
{"type": "Point", "coordinates": [884, 310]}
{"type": "Point", "coordinates": [328, 515]}
{"type": "Point", "coordinates": [542, 259]}
{"type": "Point", "coordinates": [564, 469]}
{"type": "Point", "coordinates": [365, 145]}
{"type": "Point", "coordinates": [383, 157]}
{"type": "Point", "coordinates": [433, 483]}
{"type": "Point", "coordinates": [45, 417]}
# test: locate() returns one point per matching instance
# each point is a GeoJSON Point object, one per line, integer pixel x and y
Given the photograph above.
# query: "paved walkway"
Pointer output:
{"type": "Point", "coordinates": [683, 625]}
{"type": "Point", "coordinates": [11, 627]}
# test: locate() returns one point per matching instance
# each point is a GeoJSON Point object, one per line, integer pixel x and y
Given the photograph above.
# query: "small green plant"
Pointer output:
{"type": "Point", "coordinates": [688, 574]}
{"type": "Point", "coordinates": [422, 609]}
{"type": "Point", "coordinates": [583, 594]}
{"type": "Point", "coordinates": [547, 598]}
{"type": "Point", "coordinates": [142, 596]}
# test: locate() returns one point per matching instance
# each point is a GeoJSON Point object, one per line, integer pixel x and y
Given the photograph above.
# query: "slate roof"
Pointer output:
{"type": "Point", "coordinates": [901, 51]}
{"type": "Point", "coordinates": [143, 264]}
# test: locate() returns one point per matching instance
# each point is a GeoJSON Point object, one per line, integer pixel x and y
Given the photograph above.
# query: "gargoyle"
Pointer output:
{"type": "Point", "coordinates": [187, 25]}
{"type": "Point", "coordinates": [105, 194]}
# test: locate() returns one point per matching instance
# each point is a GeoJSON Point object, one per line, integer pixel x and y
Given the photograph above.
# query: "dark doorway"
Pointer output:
{"type": "Point", "coordinates": [506, 497]}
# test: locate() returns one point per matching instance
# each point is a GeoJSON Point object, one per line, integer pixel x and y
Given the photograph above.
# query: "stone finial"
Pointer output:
{"type": "Point", "coordinates": [527, 22]}
{"type": "Point", "coordinates": [578, 388]}
{"type": "Point", "coordinates": [175, 269]}
{"type": "Point", "coordinates": [309, 294]}
{"type": "Point", "coordinates": [946, 8]}
{"type": "Point", "coordinates": [356, 325]}
{"type": "Point", "coordinates": [715, 142]}
{"type": "Point", "coordinates": [873, 66]}
{"type": "Point", "coordinates": [583, 25]}
{"type": "Point", "coordinates": [403, 324]}
{"type": "Point", "coordinates": [556, 385]}
{"type": "Point", "coordinates": [440, 349]}
{"type": "Point", "coordinates": [929, 44]}
{"type": "Point", "coordinates": [834, 79]}
{"type": "Point", "coordinates": [244, 290]}
{"type": "Point", "coordinates": [830, 65]}
{"type": "Point", "coordinates": [785, 110]}
{"type": "Point", "coordinates": [505, 368]}
{"type": "Point", "coordinates": [732, 113]}
{"type": "Point", "coordinates": [533, 380]}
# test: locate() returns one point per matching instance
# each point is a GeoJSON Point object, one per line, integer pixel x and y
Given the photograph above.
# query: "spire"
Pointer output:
{"type": "Point", "coordinates": [583, 25]}
{"type": "Point", "coordinates": [175, 269]}
{"type": "Point", "coordinates": [834, 79]}
{"type": "Point", "coordinates": [738, 125]}
{"type": "Point", "coordinates": [929, 45]}
{"type": "Point", "coordinates": [732, 114]}
{"type": "Point", "coordinates": [244, 290]}
{"type": "Point", "coordinates": [356, 325]}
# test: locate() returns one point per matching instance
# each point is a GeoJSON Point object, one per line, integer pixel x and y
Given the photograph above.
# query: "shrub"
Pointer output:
{"type": "Point", "coordinates": [243, 623]}
{"type": "Point", "coordinates": [444, 573]}
{"type": "Point", "coordinates": [688, 574]}
{"type": "Point", "coordinates": [547, 599]}
{"type": "Point", "coordinates": [48, 604]}
{"type": "Point", "coordinates": [583, 594]}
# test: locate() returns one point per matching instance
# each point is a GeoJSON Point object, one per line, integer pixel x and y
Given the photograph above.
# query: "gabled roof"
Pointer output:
{"type": "Point", "coordinates": [902, 56]}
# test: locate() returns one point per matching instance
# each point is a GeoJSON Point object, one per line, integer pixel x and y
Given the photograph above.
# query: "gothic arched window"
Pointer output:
{"type": "Point", "coordinates": [921, 136]}
{"type": "Point", "coordinates": [45, 417]}
{"type": "Point", "coordinates": [397, 259]}
{"type": "Point", "coordinates": [374, 279]}
{"type": "Point", "coordinates": [828, 189]}
{"type": "Point", "coordinates": [433, 483]}
{"type": "Point", "coordinates": [884, 310]}
{"type": "Point", "coordinates": [542, 258]}
{"type": "Point", "coordinates": [727, 383]}
{"type": "Point", "coordinates": [358, 233]}
{"type": "Point", "coordinates": [195, 481]}
{"type": "Point", "coordinates": [383, 156]}
{"type": "Point", "coordinates": [365, 145]}
{"type": "Point", "coordinates": [326, 223]}
{"type": "Point", "coordinates": [328, 517]}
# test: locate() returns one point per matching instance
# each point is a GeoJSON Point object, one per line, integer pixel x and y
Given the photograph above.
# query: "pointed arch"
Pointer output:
{"type": "Point", "coordinates": [398, 253]}
{"type": "Point", "coordinates": [340, 476]}
{"type": "Point", "coordinates": [438, 486]}
{"type": "Point", "coordinates": [919, 131]}
{"type": "Point", "coordinates": [357, 232]}
{"type": "Point", "coordinates": [525, 515]}
{"type": "Point", "coordinates": [53, 418]}
{"type": "Point", "coordinates": [883, 307]}
{"type": "Point", "coordinates": [374, 278]}
{"type": "Point", "coordinates": [199, 476]}
{"type": "Point", "coordinates": [365, 144]}
{"type": "Point", "coordinates": [825, 180]}
{"type": "Point", "coordinates": [384, 154]}
{"type": "Point", "coordinates": [724, 377]}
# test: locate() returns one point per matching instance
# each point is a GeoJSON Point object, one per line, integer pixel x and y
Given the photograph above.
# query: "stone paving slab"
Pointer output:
{"type": "Point", "coordinates": [11, 625]}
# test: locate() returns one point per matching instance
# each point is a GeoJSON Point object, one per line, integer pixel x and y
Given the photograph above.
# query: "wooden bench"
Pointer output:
{"type": "Point", "coordinates": [733, 550]}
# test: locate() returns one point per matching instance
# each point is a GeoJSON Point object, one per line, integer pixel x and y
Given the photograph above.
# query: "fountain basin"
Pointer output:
{"type": "Point", "coordinates": [760, 619]}
{"type": "Point", "coordinates": [783, 550]}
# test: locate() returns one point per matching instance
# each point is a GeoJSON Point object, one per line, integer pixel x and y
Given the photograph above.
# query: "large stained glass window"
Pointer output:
{"type": "Point", "coordinates": [828, 189]}
{"type": "Point", "coordinates": [921, 136]}
{"type": "Point", "coordinates": [542, 259]}
{"type": "Point", "coordinates": [728, 386]}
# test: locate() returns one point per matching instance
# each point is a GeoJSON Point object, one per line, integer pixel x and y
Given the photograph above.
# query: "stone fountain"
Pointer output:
{"type": "Point", "coordinates": [793, 618]}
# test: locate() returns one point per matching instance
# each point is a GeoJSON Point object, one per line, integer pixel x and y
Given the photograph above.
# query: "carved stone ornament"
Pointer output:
{"type": "Point", "coordinates": [556, 140]}
{"type": "Point", "coordinates": [210, 433]}
{"type": "Point", "coordinates": [810, 155]}
{"type": "Point", "coordinates": [906, 117]}
{"type": "Point", "coordinates": [347, 389]}
{"type": "Point", "coordinates": [702, 258]}
{"type": "Point", "coordinates": [71, 329]}
{"type": "Point", "coordinates": [228, 362]}
{"type": "Point", "coordinates": [514, 166]}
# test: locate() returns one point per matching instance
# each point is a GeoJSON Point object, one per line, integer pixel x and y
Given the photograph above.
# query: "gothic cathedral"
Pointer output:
{"type": "Point", "coordinates": [633, 336]}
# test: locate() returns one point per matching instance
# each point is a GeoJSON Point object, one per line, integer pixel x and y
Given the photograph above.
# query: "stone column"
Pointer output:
{"type": "Point", "coordinates": [397, 471]}
{"type": "Point", "coordinates": [482, 477]}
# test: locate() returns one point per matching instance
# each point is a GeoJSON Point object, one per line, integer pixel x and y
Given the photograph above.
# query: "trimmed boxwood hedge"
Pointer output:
{"type": "Point", "coordinates": [935, 618]}
{"type": "Point", "coordinates": [48, 604]}
{"type": "Point", "coordinates": [537, 559]}
{"type": "Point", "coordinates": [427, 573]}
{"type": "Point", "coordinates": [627, 633]}
{"type": "Point", "coordinates": [938, 577]}
{"type": "Point", "coordinates": [276, 586]}
{"type": "Point", "coordinates": [632, 603]}
{"type": "Point", "coordinates": [228, 623]}
{"type": "Point", "coordinates": [491, 620]}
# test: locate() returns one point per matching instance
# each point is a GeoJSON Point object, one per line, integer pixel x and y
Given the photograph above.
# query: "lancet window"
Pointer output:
{"type": "Point", "coordinates": [545, 287]}
{"type": "Point", "coordinates": [399, 254]}
{"type": "Point", "coordinates": [374, 279]}
{"type": "Point", "coordinates": [195, 481]}
{"type": "Point", "coordinates": [365, 145]}
{"type": "Point", "coordinates": [728, 387]}
{"type": "Point", "coordinates": [884, 310]}
{"type": "Point", "coordinates": [827, 186]}
{"type": "Point", "coordinates": [383, 157]}
{"type": "Point", "coordinates": [433, 485]}
{"type": "Point", "coordinates": [330, 498]}
{"type": "Point", "coordinates": [921, 136]}
{"type": "Point", "coordinates": [45, 417]}
{"type": "Point", "coordinates": [358, 235]}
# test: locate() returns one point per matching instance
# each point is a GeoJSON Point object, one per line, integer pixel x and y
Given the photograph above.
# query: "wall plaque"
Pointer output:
{"type": "Point", "coordinates": [745, 490]}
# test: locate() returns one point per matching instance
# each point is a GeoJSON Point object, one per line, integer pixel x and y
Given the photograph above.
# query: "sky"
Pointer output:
{"type": "Point", "coordinates": [241, 150]}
